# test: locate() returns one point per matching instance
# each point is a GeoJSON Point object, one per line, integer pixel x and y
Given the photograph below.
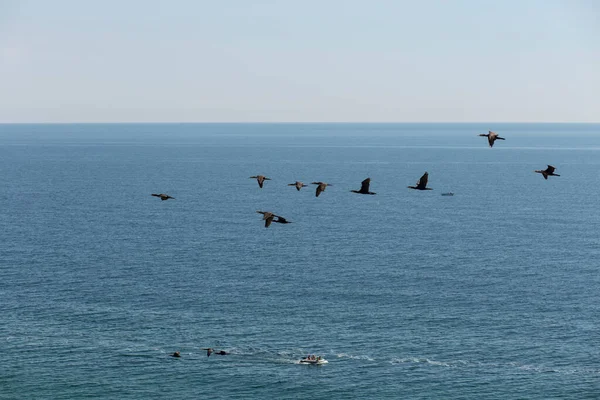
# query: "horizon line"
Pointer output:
{"type": "Point", "coordinates": [288, 122]}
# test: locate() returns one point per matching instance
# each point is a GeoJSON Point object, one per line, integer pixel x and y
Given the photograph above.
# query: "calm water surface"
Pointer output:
{"type": "Point", "coordinates": [493, 293]}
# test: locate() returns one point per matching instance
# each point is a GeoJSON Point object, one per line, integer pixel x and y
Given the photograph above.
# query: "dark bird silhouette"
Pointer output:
{"type": "Point", "coordinates": [176, 354]}
{"type": "Point", "coordinates": [267, 217]}
{"type": "Point", "coordinates": [260, 179]}
{"type": "Point", "coordinates": [281, 220]}
{"type": "Point", "coordinates": [321, 186]}
{"type": "Point", "coordinates": [163, 196]}
{"type": "Point", "coordinates": [364, 187]}
{"type": "Point", "coordinates": [547, 172]}
{"type": "Point", "coordinates": [492, 136]}
{"type": "Point", "coordinates": [299, 185]}
{"type": "Point", "coordinates": [209, 351]}
{"type": "Point", "coordinates": [422, 183]}
{"type": "Point", "coordinates": [221, 353]}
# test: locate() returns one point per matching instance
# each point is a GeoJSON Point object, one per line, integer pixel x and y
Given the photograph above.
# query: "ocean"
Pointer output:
{"type": "Point", "coordinates": [493, 293]}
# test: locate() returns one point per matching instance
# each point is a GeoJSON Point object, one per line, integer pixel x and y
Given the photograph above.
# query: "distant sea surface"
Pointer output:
{"type": "Point", "coordinates": [493, 293]}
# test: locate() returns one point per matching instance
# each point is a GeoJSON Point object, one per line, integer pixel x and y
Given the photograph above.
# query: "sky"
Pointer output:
{"type": "Point", "coordinates": [299, 61]}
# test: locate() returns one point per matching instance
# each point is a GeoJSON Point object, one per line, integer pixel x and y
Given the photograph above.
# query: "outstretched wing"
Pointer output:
{"type": "Point", "coordinates": [319, 189]}
{"type": "Point", "coordinates": [423, 181]}
{"type": "Point", "coordinates": [156, 194]}
{"type": "Point", "coordinates": [364, 186]}
{"type": "Point", "coordinates": [268, 220]}
{"type": "Point", "coordinates": [266, 214]}
{"type": "Point", "coordinates": [550, 169]}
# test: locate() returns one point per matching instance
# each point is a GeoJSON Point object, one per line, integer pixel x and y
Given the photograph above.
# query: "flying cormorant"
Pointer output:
{"type": "Point", "coordinates": [299, 185]}
{"type": "Point", "coordinates": [260, 179]}
{"type": "Point", "coordinates": [492, 136]}
{"type": "Point", "coordinates": [321, 186]}
{"type": "Point", "coordinates": [163, 196]}
{"type": "Point", "coordinates": [422, 183]}
{"type": "Point", "coordinates": [364, 187]}
{"type": "Point", "coordinates": [547, 172]}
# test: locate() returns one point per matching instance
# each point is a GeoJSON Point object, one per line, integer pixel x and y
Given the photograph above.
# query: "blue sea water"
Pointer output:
{"type": "Point", "coordinates": [493, 293]}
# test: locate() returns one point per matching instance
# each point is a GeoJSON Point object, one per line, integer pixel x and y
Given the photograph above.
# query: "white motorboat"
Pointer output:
{"type": "Point", "coordinates": [316, 361]}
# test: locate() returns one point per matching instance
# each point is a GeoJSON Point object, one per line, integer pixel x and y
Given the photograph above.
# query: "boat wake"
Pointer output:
{"type": "Point", "coordinates": [416, 360]}
{"type": "Point", "coordinates": [297, 356]}
{"type": "Point", "coordinates": [534, 369]}
{"type": "Point", "coordinates": [353, 357]}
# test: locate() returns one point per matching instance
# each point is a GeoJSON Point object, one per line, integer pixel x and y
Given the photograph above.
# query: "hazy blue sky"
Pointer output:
{"type": "Point", "coordinates": [346, 60]}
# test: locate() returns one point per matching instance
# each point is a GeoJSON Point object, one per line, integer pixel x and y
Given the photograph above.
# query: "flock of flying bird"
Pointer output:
{"type": "Point", "coordinates": [421, 184]}
{"type": "Point", "coordinates": [270, 217]}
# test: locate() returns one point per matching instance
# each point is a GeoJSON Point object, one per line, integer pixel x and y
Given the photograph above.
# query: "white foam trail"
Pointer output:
{"type": "Point", "coordinates": [353, 357]}
{"type": "Point", "coordinates": [415, 360]}
{"type": "Point", "coordinates": [534, 369]}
